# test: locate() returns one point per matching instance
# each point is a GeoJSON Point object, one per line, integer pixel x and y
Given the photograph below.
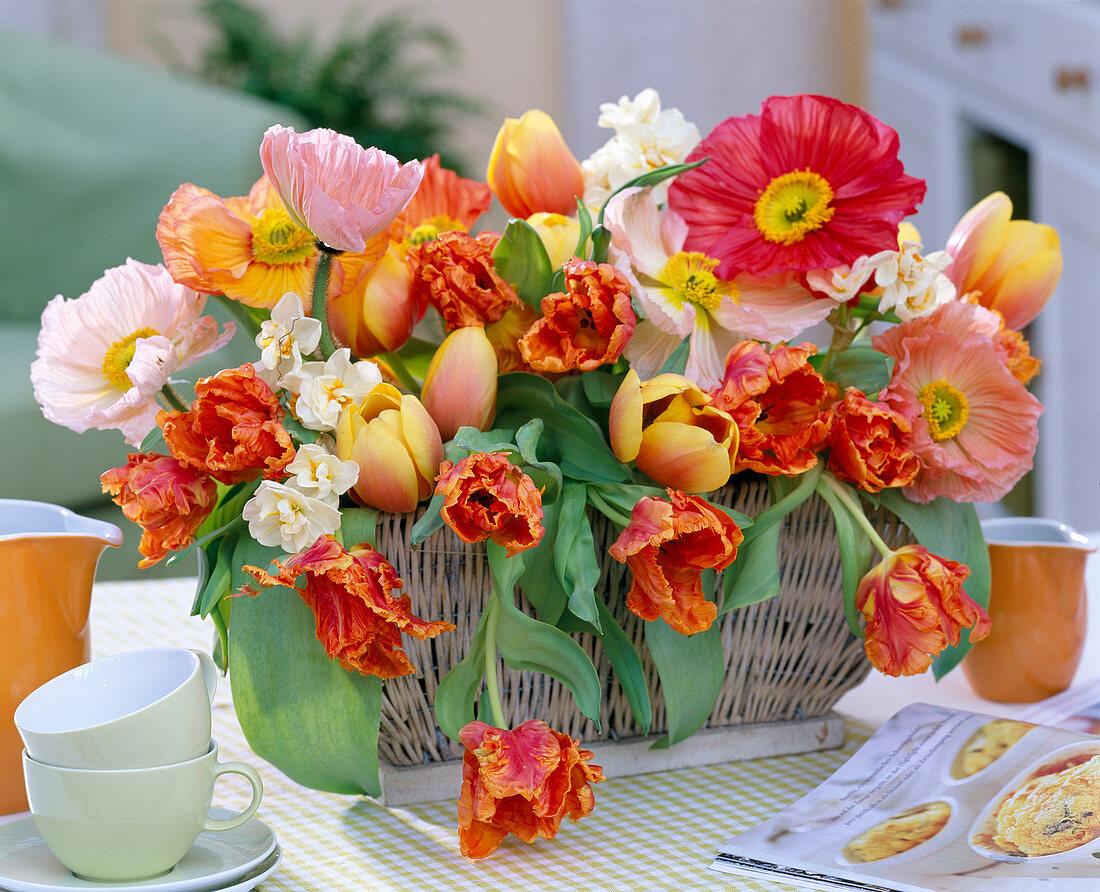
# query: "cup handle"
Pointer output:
{"type": "Point", "coordinates": [251, 775]}
{"type": "Point", "coordinates": [209, 672]}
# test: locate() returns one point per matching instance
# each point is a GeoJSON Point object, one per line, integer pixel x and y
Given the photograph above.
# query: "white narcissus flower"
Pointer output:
{"type": "Point", "coordinates": [842, 283]}
{"type": "Point", "coordinates": [912, 285]}
{"type": "Point", "coordinates": [320, 474]}
{"type": "Point", "coordinates": [325, 389]}
{"type": "Point", "coordinates": [645, 138]}
{"type": "Point", "coordinates": [103, 357]}
{"type": "Point", "coordinates": [279, 515]}
{"type": "Point", "coordinates": [284, 338]}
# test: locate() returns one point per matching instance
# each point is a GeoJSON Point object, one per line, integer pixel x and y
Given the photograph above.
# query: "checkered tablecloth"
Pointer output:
{"type": "Point", "coordinates": [648, 832]}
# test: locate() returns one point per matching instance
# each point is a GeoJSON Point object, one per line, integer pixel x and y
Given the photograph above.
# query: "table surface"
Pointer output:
{"type": "Point", "coordinates": [648, 832]}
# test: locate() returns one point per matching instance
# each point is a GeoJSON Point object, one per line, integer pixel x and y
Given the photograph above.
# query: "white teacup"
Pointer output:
{"type": "Point", "coordinates": [129, 824]}
{"type": "Point", "coordinates": [132, 710]}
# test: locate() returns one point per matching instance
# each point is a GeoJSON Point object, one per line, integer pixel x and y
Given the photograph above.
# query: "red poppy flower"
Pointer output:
{"type": "Point", "coordinates": [867, 444]}
{"type": "Point", "coordinates": [522, 782]}
{"type": "Point", "coordinates": [781, 406]}
{"type": "Point", "coordinates": [585, 327]}
{"type": "Point", "coordinates": [167, 498]}
{"type": "Point", "coordinates": [488, 497]}
{"type": "Point", "coordinates": [914, 606]}
{"type": "Point", "coordinates": [455, 274]}
{"type": "Point", "coordinates": [233, 431]}
{"type": "Point", "coordinates": [352, 595]}
{"type": "Point", "coordinates": [667, 545]}
{"type": "Point", "coordinates": [809, 183]}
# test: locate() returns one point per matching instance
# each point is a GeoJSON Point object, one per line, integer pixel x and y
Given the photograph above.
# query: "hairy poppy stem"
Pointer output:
{"type": "Point", "coordinates": [857, 514]}
{"type": "Point", "coordinates": [172, 397]}
{"type": "Point", "coordinates": [491, 685]}
{"type": "Point", "coordinates": [319, 311]}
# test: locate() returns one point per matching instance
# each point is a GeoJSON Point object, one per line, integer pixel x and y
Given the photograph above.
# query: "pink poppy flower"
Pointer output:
{"type": "Point", "coordinates": [342, 193]}
{"type": "Point", "coordinates": [977, 426]}
{"type": "Point", "coordinates": [809, 183]}
{"type": "Point", "coordinates": [683, 298]}
{"type": "Point", "coordinates": [103, 357]}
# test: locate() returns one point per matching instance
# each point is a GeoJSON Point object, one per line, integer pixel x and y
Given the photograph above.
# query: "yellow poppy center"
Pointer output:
{"type": "Point", "coordinates": [793, 205]}
{"type": "Point", "coordinates": [945, 409]}
{"type": "Point", "coordinates": [120, 354]}
{"type": "Point", "coordinates": [690, 278]}
{"type": "Point", "coordinates": [276, 239]}
{"type": "Point", "coordinates": [430, 229]}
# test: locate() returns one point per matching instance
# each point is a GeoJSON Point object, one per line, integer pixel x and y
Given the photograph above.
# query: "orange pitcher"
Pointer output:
{"type": "Point", "coordinates": [1037, 604]}
{"type": "Point", "coordinates": [48, 557]}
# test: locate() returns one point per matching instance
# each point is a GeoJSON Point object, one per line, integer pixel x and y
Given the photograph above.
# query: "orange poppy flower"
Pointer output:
{"type": "Point", "coordinates": [249, 248]}
{"type": "Point", "coordinates": [167, 498]}
{"type": "Point", "coordinates": [522, 782]}
{"type": "Point", "coordinates": [667, 545]}
{"type": "Point", "coordinates": [359, 617]}
{"type": "Point", "coordinates": [781, 405]}
{"type": "Point", "coordinates": [488, 497]}
{"type": "Point", "coordinates": [914, 606]}
{"type": "Point", "coordinates": [444, 201]}
{"type": "Point", "coordinates": [455, 274]}
{"type": "Point", "coordinates": [584, 328]}
{"type": "Point", "coordinates": [233, 431]}
{"type": "Point", "coordinates": [867, 444]}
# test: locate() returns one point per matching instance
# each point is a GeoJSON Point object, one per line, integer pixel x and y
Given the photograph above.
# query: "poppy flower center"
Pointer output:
{"type": "Point", "coordinates": [945, 409]}
{"type": "Point", "coordinates": [690, 276]}
{"type": "Point", "coordinates": [792, 206]}
{"type": "Point", "coordinates": [119, 356]}
{"type": "Point", "coordinates": [276, 239]}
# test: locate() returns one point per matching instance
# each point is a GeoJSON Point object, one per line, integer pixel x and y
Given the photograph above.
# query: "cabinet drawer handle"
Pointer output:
{"type": "Point", "coordinates": [1066, 79]}
{"type": "Point", "coordinates": [972, 35]}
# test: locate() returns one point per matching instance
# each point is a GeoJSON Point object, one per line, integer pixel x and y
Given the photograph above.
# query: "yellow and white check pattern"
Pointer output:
{"type": "Point", "coordinates": [651, 832]}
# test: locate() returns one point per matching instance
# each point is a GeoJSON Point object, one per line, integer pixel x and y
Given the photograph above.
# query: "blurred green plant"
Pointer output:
{"type": "Point", "coordinates": [375, 83]}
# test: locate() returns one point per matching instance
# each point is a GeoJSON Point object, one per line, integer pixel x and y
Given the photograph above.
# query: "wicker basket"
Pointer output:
{"type": "Point", "coordinates": [788, 658]}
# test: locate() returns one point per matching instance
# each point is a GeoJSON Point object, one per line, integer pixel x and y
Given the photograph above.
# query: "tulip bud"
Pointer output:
{"type": "Point", "coordinates": [666, 426]}
{"type": "Point", "coordinates": [379, 314]}
{"type": "Point", "coordinates": [531, 168]}
{"type": "Point", "coordinates": [460, 388]}
{"type": "Point", "coordinates": [1014, 264]}
{"type": "Point", "coordinates": [395, 443]}
{"type": "Point", "coordinates": [559, 235]}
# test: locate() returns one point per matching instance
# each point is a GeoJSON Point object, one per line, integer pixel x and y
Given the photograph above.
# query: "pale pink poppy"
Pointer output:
{"type": "Point", "coordinates": [978, 426]}
{"type": "Point", "coordinates": [683, 298]}
{"type": "Point", "coordinates": [342, 193]}
{"type": "Point", "coordinates": [103, 357]}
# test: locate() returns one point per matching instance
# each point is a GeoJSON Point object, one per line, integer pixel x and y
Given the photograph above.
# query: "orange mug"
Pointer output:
{"type": "Point", "coordinates": [1038, 608]}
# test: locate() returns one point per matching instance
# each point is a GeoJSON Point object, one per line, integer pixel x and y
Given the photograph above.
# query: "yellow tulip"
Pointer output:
{"type": "Point", "coordinates": [460, 387]}
{"type": "Point", "coordinates": [559, 235]}
{"type": "Point", "coordinates": [668, 429]}
{"type": "Point", "coordinates": [379, 314]}
{"type": "Point", "coordinates": [397, 446]}
{"type": "Point", "coordinates": [1015, 264]}
{"type": "Point", "coordinates": [531, 168]}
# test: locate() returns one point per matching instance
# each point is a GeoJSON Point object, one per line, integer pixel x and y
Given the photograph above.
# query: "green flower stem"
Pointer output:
{"type": "Point", "coordinates": [401, 371]}
{"type": "Point", "coordinates": [320, 311]}
{"type": "Point", "coordinates": [857, 514]}
{"type": "Point", "coordinates": [842, 333]}
{"type": "Point", "coordinates": [491, 683]}
{"type": "Point", "coordinates": [172, 398]}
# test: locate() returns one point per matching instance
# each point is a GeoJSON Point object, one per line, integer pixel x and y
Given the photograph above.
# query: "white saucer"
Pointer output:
{"type": "Point", "coordinates": [215, 861]}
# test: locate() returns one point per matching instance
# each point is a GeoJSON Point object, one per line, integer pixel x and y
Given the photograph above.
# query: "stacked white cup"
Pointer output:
{"type": "Point", "coordinates": [120, 764]}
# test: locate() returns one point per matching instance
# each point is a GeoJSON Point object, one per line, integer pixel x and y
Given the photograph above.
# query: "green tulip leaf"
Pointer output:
{"type": "Point", "coordinates": [575, 554]}
{"type": "Point", "coordinates": [299, 709]}
{"type": "Point", "coordinates": [951, 530]}
{"type": "Point", "coordinates": [215, 574]}
{"type": "Point", "coordinates": [652, 178]}
{"type": "Point", "coordinates": [539, 581]}
{"type": "Point", "coordinates": [855, 553]}
{"type": "Point", "coordinates": [521, 259]}
{"type": "Point", "coordinates": [600, 387]}
{"type": "Point", "coordinates": [358, 526]}
{"type": "Point", "coordinates": [299, 432]}
{"type": "Point", "coordinates": [429, 522]}
{"type": "Point", "coordinates": [860, 366]}
{"type": "Point", "coordinates": [585, 220]}
{"type": "Point", "coordinates": [153, 440]}
{"type": "Point", "coordinates": [627, 666]}
{"type": "Point", "coordinates": [454, 698]}
{"type": "Point", "coordinates": [617, 502]}
{"type": "Point", "coordinates": [569, 439]}
{"type": "Point", "coordinates": [677, 360]}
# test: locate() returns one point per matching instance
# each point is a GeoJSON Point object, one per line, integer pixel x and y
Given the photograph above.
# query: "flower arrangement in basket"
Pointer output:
{"type": "Point", "coordinates": [630, 342]}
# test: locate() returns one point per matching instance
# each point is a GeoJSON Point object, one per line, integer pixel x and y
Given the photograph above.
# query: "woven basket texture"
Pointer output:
{"type": "Point", "coordinates": [790, 657]}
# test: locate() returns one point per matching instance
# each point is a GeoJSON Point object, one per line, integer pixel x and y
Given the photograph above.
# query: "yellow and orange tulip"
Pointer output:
{"type": "Point", "coordinates": [397, 446]}
{"type": "Point", "coordinates": [1015, 264]}
{"type": "Point", "coordinates": [559, 235]}
{"type": "Point", "coordinates": [460, 387]}
{"type": "Point", "coordinates": [379, 314]}
{"type": "Point", "coordinates": [531, 168]}
{"type": "Point", "coordinates": [668, 428]}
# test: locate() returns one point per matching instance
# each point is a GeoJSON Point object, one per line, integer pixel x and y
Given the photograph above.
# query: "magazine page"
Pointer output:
{"type": "Point", "coordinates": [940, 799]}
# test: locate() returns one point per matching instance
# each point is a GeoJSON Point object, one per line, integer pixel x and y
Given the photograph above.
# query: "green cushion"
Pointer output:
{"type": "Point", "coordinates": [91, 149]}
